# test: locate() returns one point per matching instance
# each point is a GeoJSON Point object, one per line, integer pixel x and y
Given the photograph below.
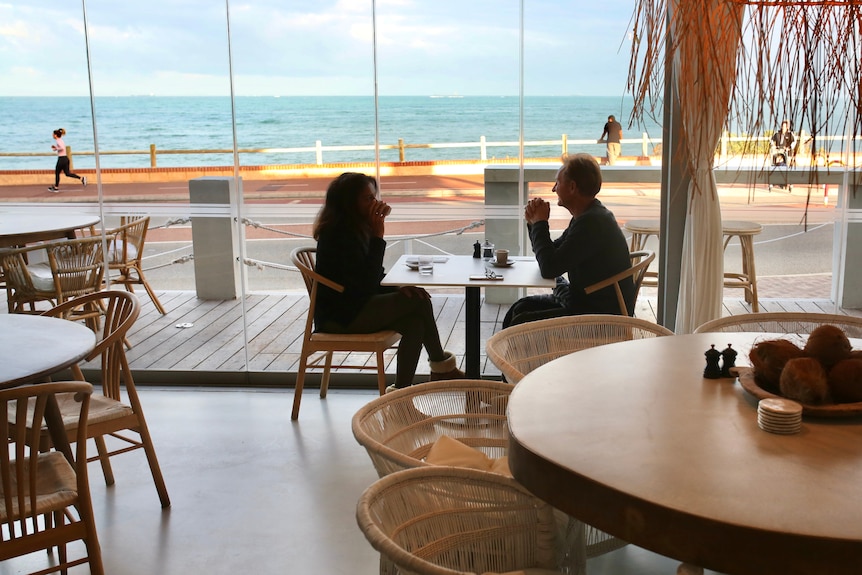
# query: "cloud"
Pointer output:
{"type": "Point", "coordinates": [423, 47]}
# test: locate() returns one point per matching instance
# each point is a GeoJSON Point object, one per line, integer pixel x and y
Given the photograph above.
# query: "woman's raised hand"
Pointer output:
{"type": "Point", "coordinates": [377, 214]}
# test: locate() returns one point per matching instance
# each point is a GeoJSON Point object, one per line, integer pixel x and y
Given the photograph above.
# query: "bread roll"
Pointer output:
{"type": "Point", "coordinates": [829, 344]}
{"type": "Point", "coordinates": [804, 380]}
{"type": "Point", "coordinates": [845, 381]}
{"type": "Point", "coordinates": [768, 359]}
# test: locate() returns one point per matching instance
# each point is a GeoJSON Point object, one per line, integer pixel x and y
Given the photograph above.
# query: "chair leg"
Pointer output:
{"type": "Point", "coordinates": [324, 381]}
{"type": "Point", "coordinates": [153, 461]}
{"type": "Point", "coordinates": [381, 372]}
{"type": "Point", "coordinates": [297, 390]}
{"type": "Point", "coordinates": [104, 459]}
{"type": "Point", "coordinates": [62, 556]}
{"type": "Point", "coordinates": [150, 291]}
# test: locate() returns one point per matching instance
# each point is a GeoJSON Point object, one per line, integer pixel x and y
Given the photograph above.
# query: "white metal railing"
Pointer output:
{"type": "Point", "coordinates": [648, 146]}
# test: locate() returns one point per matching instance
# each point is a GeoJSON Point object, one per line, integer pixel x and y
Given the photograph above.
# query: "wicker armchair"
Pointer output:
{"type": "Point", "coordinates": [125, 256]}
{"type": "Point", "coordinates": [519, 349]}
{"type": "Point", "coordinates": [398, 430]}
{"type": "Point", "coordinates": [74, 268]}
{"type": "Point", "coordinates": [454, 521]}
{"type": "Point", "coordinates": [783, 322]}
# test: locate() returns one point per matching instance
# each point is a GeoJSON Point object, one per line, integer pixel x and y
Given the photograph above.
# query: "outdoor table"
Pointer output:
{"type": "Point", "coordinates": [33, 347]}
{"type": "Point", "coordinates": [22, 229]}
{"type": "Point", "coordinates": [456, 272]}
{"type": "Point", "coordinates": [629, 437]}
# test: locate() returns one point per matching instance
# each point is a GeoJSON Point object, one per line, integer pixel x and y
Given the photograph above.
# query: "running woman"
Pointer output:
{"type": "Point", "coordinates": [62, 162]}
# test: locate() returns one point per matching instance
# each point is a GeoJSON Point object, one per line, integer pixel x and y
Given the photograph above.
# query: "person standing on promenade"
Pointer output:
{"type": "Point", "coordinates": [590, 249]}
{"type": "Point", "coordinates": [611, 135]}
{"type": "Point", "coordinates": [783, 145]}
{"type": "Point", "coordinates": [350, 247]}
{"type": "Point", "coordinates": [62, 162]}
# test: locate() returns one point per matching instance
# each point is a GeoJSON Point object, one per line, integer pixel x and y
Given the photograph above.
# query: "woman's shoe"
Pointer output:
{"type": "Point", "coordinates": [446, 368]}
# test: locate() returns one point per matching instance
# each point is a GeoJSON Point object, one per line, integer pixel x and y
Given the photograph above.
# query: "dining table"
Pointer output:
{"type": "Point", "coordinates": [20, 229]}
{"type": "Point", "coordinates": [32, 348]}
{"type": "Point", "coordinates": [631, 438]}
{"type": "Point", "coordinates": [472, 274]}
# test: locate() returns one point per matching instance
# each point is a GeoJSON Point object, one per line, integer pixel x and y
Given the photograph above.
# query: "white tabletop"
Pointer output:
{"type": "Point", "coordinates": [32, 347]}
{"type": "Point", "coordinates": [631, 438]}
{"type": "Point", "coordinates": [24, 228]}
{"type": "Point", "coordinates": [457, 269]}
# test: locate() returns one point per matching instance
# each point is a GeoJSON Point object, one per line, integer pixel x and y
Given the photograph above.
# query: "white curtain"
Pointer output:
{"type": "Point", "coordinates": [707, 38]}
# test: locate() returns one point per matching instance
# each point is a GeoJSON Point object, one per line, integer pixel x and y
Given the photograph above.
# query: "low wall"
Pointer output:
{"type": "Point", "coordinates": [280, 172]}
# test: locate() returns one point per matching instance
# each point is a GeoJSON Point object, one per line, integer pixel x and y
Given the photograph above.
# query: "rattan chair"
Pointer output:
{"type": "Point", "coordinates": [783, 322]}
{"type": "Point", "coordinates": [399, 429]}
{"type": "Point", "coordinates": [319, 347]}
{"type": "Point", "coordinates": [454, 521]}
{"type": "Point", "coordinates": [74, 268]}
{"type": "Point", "coordinates": [519, 349]}
{"type": "Point", "coordinates": [111, 416]}
{"type": "Point", "coordinates": [640, 263]}
{"type": "Point", "coordinates": [44, 497]}
{"type": "Point", "coordinates": [125, 253]}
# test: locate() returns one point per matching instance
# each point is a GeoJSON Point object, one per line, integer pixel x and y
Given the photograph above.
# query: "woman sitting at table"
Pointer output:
{"type": "Point", "coordinates": [350, 248]}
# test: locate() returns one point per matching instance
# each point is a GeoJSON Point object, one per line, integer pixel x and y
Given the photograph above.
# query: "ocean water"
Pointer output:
{"type": "Point", "coordinates": [195, 123]}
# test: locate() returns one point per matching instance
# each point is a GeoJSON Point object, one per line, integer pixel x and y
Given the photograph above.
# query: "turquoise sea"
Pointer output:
{"type": "Point", "coordinates": [192, 123]}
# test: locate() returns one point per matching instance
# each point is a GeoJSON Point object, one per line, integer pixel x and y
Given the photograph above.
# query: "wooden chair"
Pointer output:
{"type": "Point", "coordinates": [125, 252]}
{"type": "Point", "coordinates": [783, 322]}
{"type": "Point", "coordinates": [109, 414]}
{"type": "Point", "coordinates": [399, 429]}
{"type": "Point", "coordinates": [640, 263]}
{"type": "Point", "coordinates": [316, 342]}
{"type": "Point", "coordinates": [74, 268]}
{"type": "Point", "coordinates": [519, 349]}
{"type": "Point", "coordinates": [45, 498]}
{"type": "Point", "coordinates": [455, 521]}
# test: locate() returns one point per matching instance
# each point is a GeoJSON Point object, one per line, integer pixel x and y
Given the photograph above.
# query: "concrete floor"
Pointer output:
{"type": "Point", "coordinates": [251, 491]}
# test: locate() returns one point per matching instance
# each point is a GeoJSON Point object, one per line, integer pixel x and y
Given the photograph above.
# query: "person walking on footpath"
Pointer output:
{"type": "Point", "coordinates": [62, 162]}
{"type": "Point", "coordinates": [611, 135]}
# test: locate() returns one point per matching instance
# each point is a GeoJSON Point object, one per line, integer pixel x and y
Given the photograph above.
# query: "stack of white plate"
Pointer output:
{"type": "Point", "coordinates": [779, 416]}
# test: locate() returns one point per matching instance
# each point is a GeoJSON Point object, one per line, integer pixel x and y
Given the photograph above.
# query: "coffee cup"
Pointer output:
{"type": "Point", "coordinates": [502, 257]}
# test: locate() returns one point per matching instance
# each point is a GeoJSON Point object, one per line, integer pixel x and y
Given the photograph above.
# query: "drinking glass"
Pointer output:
{"type": "Point", "coordinates": [426, 265]}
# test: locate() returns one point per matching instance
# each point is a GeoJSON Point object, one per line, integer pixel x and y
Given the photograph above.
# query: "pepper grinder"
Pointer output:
{"type": "Point", "coordinates": [713, 370]}
{"type": "Point", "coordinates": [728, 360]}
{"type": "Point", "coordinates": [477, 250]}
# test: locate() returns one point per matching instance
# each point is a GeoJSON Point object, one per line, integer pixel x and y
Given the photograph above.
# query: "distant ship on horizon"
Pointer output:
{"type": "Point", "coordinates": [446, 96]}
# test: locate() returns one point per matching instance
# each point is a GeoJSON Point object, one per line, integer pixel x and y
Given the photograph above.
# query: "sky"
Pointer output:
{"type": "Point", "coordinates": [313, 47]}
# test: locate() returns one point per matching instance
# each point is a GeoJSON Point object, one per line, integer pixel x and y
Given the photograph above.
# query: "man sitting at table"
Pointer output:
{"type": "Point", "coordinates": [592, 248]}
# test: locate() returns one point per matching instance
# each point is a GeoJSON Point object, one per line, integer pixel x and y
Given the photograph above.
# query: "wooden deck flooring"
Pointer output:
{"type": "Point", "coordinates": [200, 342]}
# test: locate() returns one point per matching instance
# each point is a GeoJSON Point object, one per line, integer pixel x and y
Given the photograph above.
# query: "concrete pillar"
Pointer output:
{"type": "Point", "coordinates": [851, 294]}
{"type": "Point", "coordinates": [214, 238]}
{"type": "Point", "coordinates": [503, 233]}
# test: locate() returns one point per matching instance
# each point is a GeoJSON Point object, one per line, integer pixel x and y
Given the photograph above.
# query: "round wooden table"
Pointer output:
{"type": "Point", "coordinates": [33, 347]}
{"type": "Point", "coordinates": [630, 438]}
{"type": "Point", "coordinates": [22, 229]}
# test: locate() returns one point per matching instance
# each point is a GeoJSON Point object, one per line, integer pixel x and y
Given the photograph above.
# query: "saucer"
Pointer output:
{"type": "Point", "coordinates": [498, 265]}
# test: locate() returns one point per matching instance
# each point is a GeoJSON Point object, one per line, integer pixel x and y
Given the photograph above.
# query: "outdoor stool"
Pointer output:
{"type": "Point", "coordinates": [641, 230]}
